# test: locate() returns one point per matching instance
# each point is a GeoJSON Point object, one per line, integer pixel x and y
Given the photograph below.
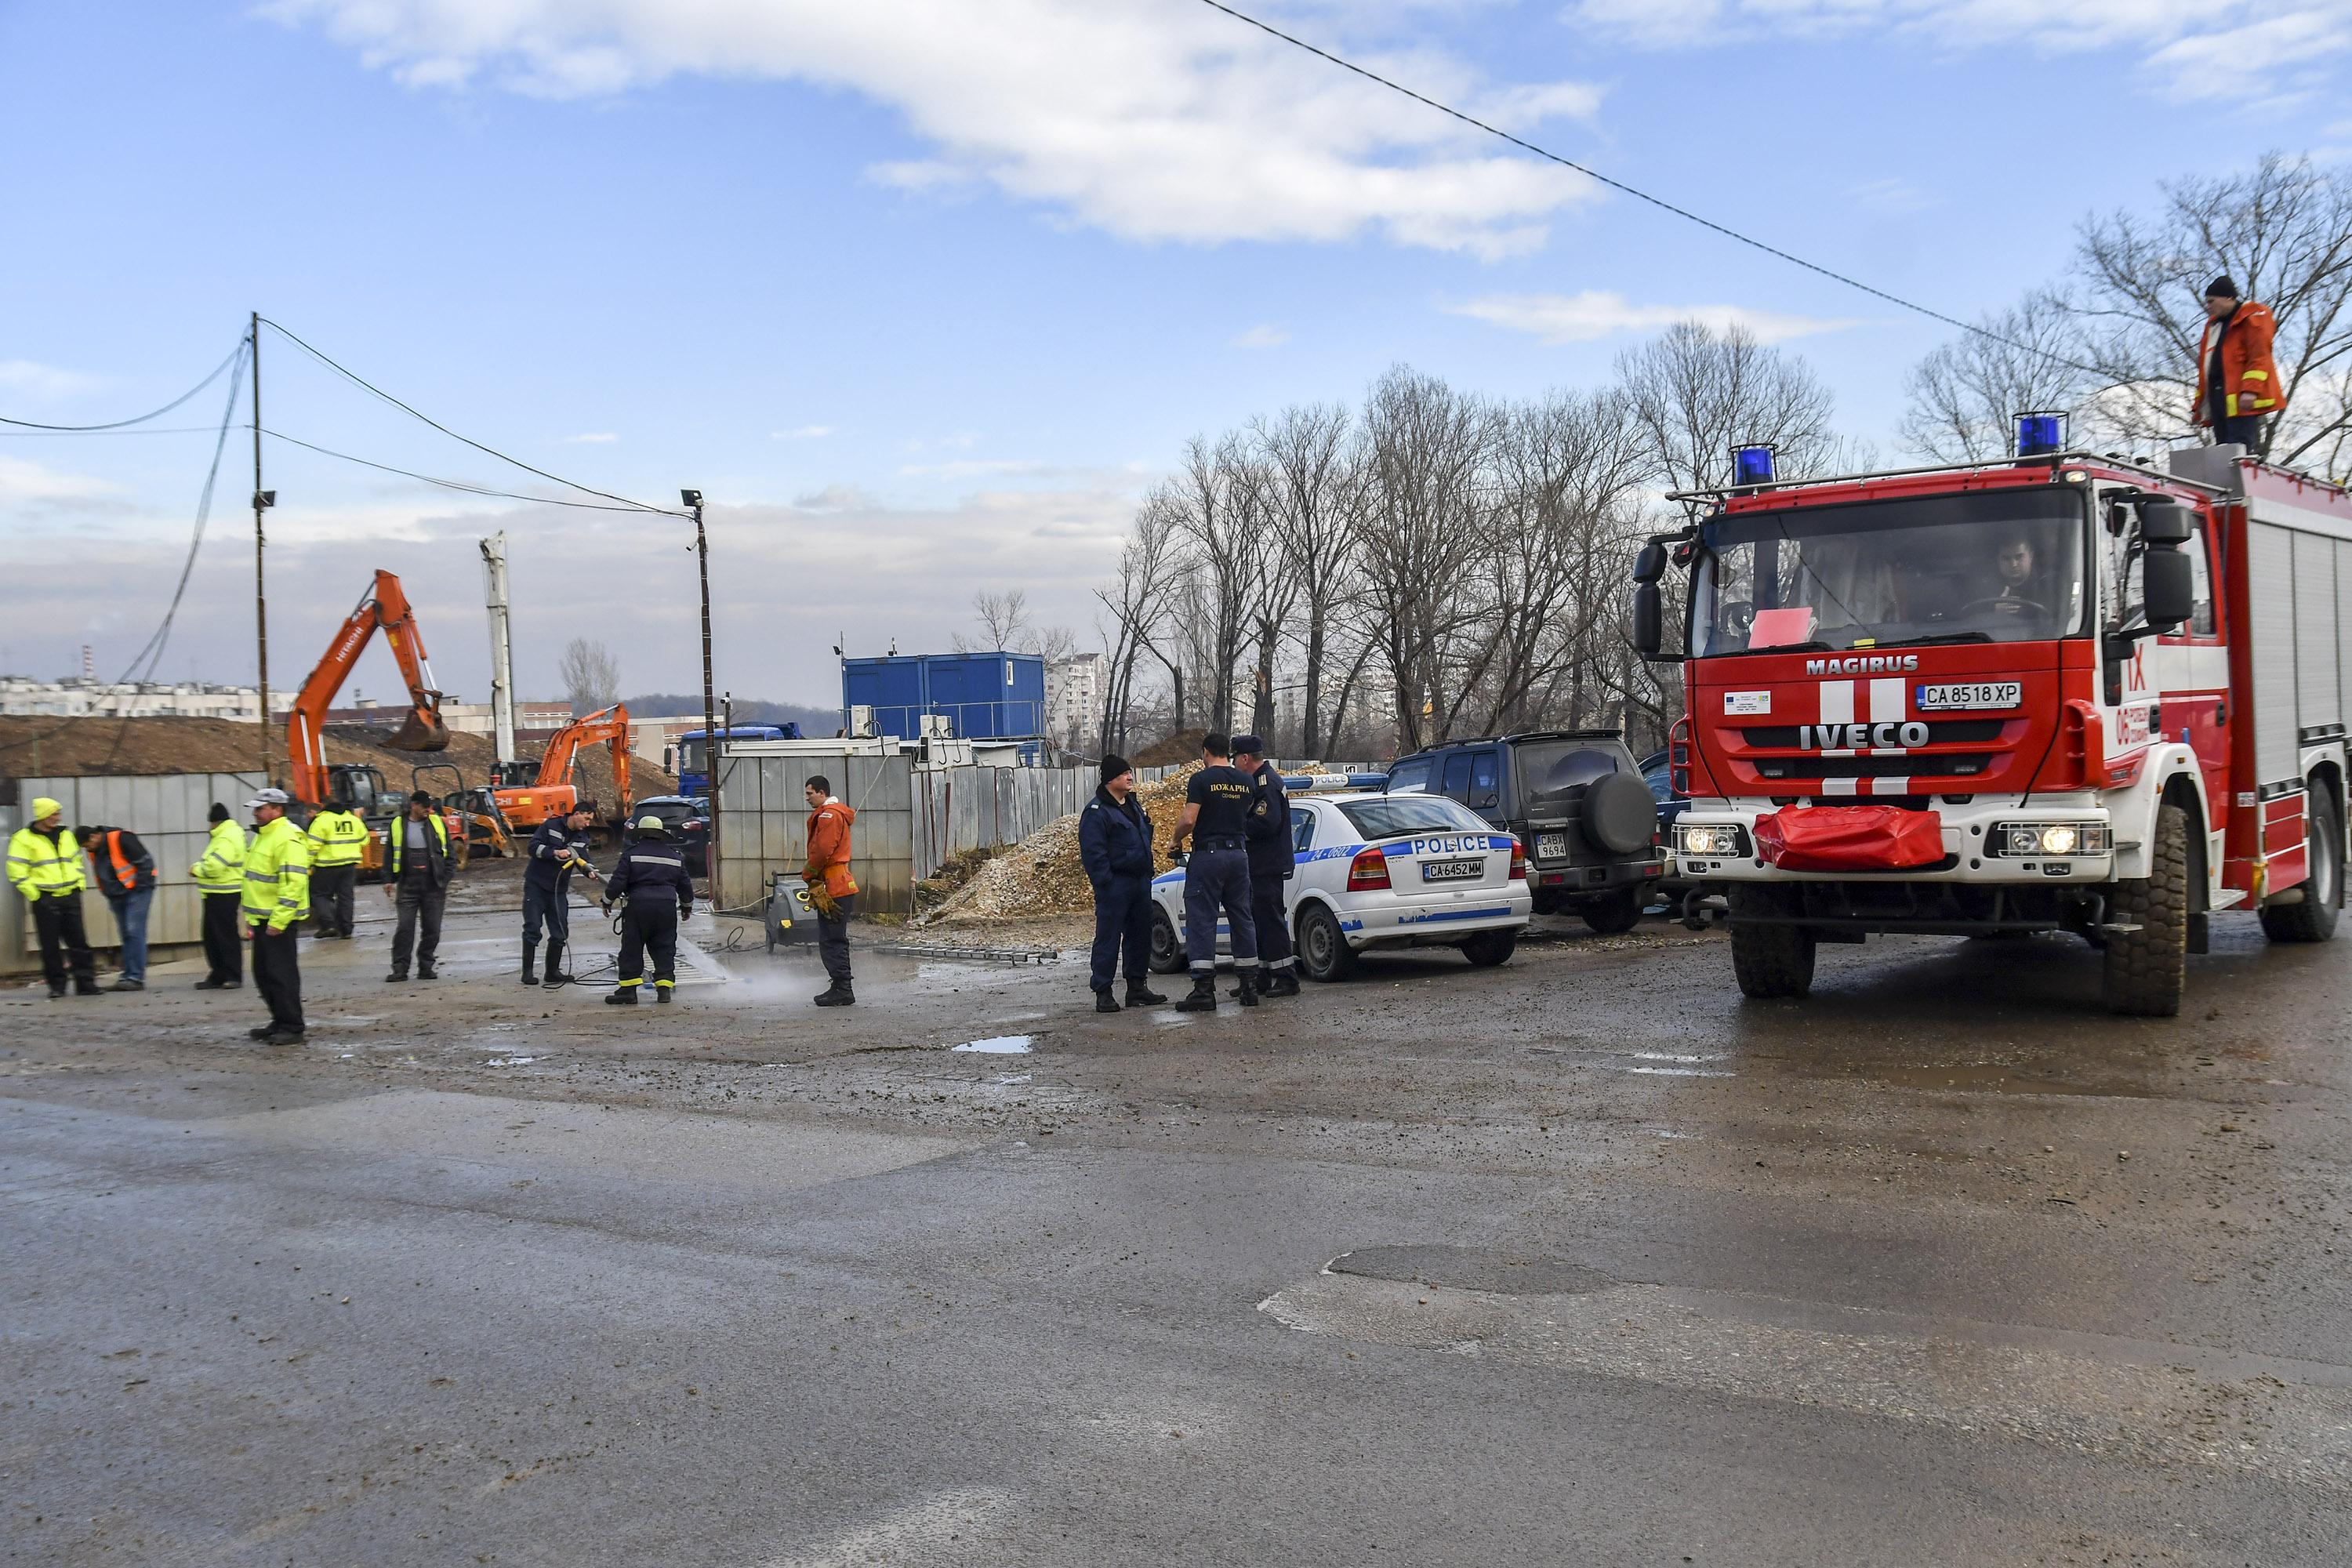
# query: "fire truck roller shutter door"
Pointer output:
{"type": "Point", "coordinates": [2318, 682]}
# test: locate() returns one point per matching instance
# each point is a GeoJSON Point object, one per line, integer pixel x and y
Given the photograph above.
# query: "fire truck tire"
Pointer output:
{"type": "Point", "coordinates": [1615, 913]}
{"type": "Point", "coordinates": [2146, 969]}
{"type": "Point", "coordinates": [1770, 961]}
{"type": "Point", "coordinates": [2314, 920]}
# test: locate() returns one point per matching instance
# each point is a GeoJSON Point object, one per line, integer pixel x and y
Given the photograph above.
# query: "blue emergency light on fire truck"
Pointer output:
{"type": "Point", "coordinates": [2118, 708]}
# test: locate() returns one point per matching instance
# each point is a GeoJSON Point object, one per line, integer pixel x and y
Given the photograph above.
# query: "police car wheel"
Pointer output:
{"type": "Point", "coordinates": [1489, 948]}
{"type": "Point", "coordinates": [1323, 950]}
{"type": "Point", "coordinates": [1167, 952]}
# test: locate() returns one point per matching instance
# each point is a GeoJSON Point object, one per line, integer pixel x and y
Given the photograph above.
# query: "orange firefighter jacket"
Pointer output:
{"type": "Point", "coordinates": [828, 848]}
{"type": "Point", "coordinates": [2250, 383]}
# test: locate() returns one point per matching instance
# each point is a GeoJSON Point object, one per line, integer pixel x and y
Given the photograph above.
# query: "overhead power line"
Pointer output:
{"type": "Point", "coordinates": [468, 488]}
{"type": "Point", "coordinates": [1639, 194]}
{"type": "Point", "coordinates": [235, 356]}
{"type": "Point", "coordinates": [626, 504]}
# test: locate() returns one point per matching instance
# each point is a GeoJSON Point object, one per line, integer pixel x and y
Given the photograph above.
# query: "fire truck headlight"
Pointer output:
{"type": "Point", "coordinates": [1709, 839]}
{"type": "Point", "coordinates": [2050, 838]}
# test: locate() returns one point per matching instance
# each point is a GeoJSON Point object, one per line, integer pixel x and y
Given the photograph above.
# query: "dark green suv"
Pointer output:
{"type": "Point", "coordinates": [1573, 798]}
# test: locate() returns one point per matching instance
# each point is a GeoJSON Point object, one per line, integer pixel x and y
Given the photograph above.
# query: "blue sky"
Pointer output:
{"type": "Point", "coordinates": [922, 292]}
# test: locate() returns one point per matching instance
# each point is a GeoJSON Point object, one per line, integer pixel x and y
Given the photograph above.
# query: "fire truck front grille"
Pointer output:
{"type": "Point", "coordinates": [1910, 764]}
{"type": "Point", "coordinates": [1940, 733]}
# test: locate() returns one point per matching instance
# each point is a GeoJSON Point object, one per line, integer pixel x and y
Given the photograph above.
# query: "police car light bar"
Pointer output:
{"type": "Point", "coordinates": [2040, 434]}
{"type": "Point", "coordinates": [1752, 465]}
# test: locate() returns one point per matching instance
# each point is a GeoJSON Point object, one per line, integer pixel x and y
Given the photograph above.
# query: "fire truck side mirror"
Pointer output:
{"type": "Point", "coordinates": [1649, 617]}
{"type": "Point", "coordinates": [1651, 564]}
{"type": "Point", "coordinates": [2167, 588]}
{"type": "Point", "coordinates": [2164, 525]}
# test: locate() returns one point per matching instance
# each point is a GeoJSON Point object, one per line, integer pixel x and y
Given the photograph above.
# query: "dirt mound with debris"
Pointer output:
{"type": "Point", "coordinates": [38, 747]}
{"type": "Point", "coordinates": [1042, 874]}
{"type": "Point", "coordinates": [1183, 746]}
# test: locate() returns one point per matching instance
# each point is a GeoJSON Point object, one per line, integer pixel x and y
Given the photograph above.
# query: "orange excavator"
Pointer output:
{"type": "Point", "coordinates": [550, 793]}
{"type": "Point", "coordinates": [355, 786]}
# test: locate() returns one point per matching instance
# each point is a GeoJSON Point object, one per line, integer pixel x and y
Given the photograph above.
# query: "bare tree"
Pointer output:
{"type": "Point", "coordinates": [1695, 392]}
{"type": "Point", "coordinates": [1137, 601]}
{"type": "Point", "coordinates": [1003, 618]}
{"type": "Point", "coordinates": [591, 678]}
{"type": "Point", "coordinates": [1315, 480]}
{"type": "Point", "coordinates": [1218, 502]}
{"type": "Point", "coordinates": [1966, 395]}
{"type": "Point", "coordinates": [2282, 231]}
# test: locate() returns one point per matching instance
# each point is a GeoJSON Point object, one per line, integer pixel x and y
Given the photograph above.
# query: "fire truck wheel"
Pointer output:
{"type": "Point", "coordinates": [2147, 968]}
{"type": "Point", "coordinates": [2314, 920]}
{"type": "Point", "coordinates": [1770, 960]}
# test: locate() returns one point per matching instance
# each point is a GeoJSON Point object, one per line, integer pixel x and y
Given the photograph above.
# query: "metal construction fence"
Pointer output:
{"type": "Point", "coordinates": [168, 812]}
{"type": "Point", "coordinates": [910, 820]}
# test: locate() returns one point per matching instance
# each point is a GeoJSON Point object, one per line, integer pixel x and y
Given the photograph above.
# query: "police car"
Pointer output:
{"type": "Point", "coordinates": [1377, 870]}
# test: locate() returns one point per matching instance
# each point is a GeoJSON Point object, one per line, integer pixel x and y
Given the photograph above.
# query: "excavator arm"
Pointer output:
{"type": "Point", "coordinates": [610, 726]}
{"type": "Point", "coordinates": [383, 608]}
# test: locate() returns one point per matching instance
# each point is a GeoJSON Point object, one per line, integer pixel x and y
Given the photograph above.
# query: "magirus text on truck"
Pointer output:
{"type": "Point", "coordinates": [2062, 692]}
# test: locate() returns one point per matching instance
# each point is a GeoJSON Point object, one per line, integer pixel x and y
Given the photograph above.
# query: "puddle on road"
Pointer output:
{"type": "Point", "coordinates": [1011, 1078]}
{"type": "Point", "coordinates": [1672, 1057]}
{"type": "Point", "coordinates": [1686, 1072]}
{"type": "Point", "coordinates": [509, 1061]}
{"type": "Point", "coordinates": [998, 1046]}
{"type": "Point", "coordinates": [1988, 1077]}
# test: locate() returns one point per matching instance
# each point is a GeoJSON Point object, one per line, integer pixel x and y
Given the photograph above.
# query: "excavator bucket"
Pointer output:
{"type": "Point", "coordinates": [421, 731]}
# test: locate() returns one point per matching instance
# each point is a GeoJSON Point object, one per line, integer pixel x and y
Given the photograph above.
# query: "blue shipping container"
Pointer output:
{"type": "Point", "coordinates": [984, 696]}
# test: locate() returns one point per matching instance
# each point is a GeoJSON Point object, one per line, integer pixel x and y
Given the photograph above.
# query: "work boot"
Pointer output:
{"type": "Point", "coordinates": [530, 963]}
{"type": "Point", "coordinates": [555, 975]}
{"type": "Point", "coordinates": [87, 988]}
{"type": "Point", "coordinates": [283, 1037]}
{"type": "Point", "coordinates": [661, 992]}
{"type": "Point", "coordinates": [127, 984]}
{"type": "Point", "coordinates": [427, 972]}
{"type": "Point", "coordinates": [837, 994]}
{"type": "Point", "coordinates": [1204, 996]}
{"type": "Point", "coordinates": [1279, 983]}
{"type": "Point", "coordinates": [1104, 1003]}
{"type": "Point", "coordinates": [626, 996]}
{"type": "Point", "coordinates": [56, 992]}
{"type": "Point", "coordinates": [1245, 988]}
{"type": "Point", "coordinates": [1140, 994]}
{"type": "Point", "coordinates": [397, 977]}
{"type": "Point", "coordinates": [212, 984]}
{"type": "Point", "coordinates": [262, 1032]}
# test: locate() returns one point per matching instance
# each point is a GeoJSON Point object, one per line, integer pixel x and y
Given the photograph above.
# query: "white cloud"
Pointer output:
{"type": "Point", "coordinates": [2240, 52]}
{"type": "Point", "coordinates": [31, 485]}
{"type": "Point", "coordinates": [805, 433]}
{"type": "Point", "coordinates": [1597, 313]}
{"type": "Point", "coordinates": [596, 438]}
{"type": "Point", "coordinates": [1892, 195]}
{"type": "Point", "coordinates": [1262, 337]}
{"type": "Point", "coordinates": [42, 382]}
{"type": "Point", "coordinates": [1155, 122]}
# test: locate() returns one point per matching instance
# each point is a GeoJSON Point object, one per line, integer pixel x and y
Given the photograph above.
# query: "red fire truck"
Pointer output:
{"type": "Point", "coordinates": [2061, 692]}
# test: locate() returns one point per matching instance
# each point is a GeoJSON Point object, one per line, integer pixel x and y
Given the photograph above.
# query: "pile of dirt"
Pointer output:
{"type": "Point", "coordinates": [39, 747]}
{"type": "Point", "coordinates": [1183, 746]}
{"type": "Point", "coordinates": [1042, 876]}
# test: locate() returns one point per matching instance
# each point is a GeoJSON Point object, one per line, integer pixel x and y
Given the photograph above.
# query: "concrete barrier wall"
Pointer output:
{"type": "Point", "coordinates": [168, 814]}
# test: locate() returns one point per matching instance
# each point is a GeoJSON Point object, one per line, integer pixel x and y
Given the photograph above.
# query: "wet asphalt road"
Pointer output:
{"type": "Point", "coordinates": [1584, 1260]}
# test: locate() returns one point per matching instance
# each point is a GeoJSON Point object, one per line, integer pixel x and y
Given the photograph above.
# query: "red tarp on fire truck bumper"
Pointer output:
{"type": "Point", "coordinates": [1850, 838]}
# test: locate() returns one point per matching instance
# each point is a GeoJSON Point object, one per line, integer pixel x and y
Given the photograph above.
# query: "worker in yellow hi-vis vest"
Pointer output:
{"type": "Point", "coordinates": [338, 840]}
{"type": "Point", "coordinates": [276, 900]}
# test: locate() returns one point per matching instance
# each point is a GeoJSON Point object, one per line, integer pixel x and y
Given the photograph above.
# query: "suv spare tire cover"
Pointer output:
{"type": "Point", "coordinates": [1619, 815]}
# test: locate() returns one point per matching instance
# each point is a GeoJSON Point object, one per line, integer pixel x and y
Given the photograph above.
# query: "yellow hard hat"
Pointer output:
{"type": "Point", "coordinates": [43, 808]}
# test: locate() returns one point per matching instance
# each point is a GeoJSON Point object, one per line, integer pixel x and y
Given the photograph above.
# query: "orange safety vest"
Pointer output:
{"type": "Point", "coordinates": [125, 872]}
{"type": "Point", "coordinates": [2249, 381]}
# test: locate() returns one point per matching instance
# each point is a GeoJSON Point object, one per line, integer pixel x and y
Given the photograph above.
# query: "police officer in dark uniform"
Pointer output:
{"type": "Point", "coordinates": [652, 877]}
{"type": "Point", "coordinates": [1115, 848]}
{"type": "Point", "coordinates": [1271, 862]}
{"type": "Point", "coordinates": [1216, 877]}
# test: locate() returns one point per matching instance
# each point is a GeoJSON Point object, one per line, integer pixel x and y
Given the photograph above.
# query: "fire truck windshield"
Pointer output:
{"type": "Point", "coordinates": [1989, 566]}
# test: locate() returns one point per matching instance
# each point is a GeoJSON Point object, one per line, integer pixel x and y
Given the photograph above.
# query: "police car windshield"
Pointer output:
{"type": "Point", "coordinates": [1402, 815]}
{"type": "Point", "coordinates": [1992, 566]}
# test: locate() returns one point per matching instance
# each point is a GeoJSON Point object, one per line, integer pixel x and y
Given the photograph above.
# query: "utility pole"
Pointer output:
{"type": "Point", "coordinates": [494, 557]}
{"type": "Point", "coordinates": [710, 731]}
{"type": "Point", "coordinates": [262, 501]}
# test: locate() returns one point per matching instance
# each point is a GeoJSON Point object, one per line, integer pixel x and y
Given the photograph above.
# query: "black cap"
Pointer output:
{"type": "Point", "coordinates": [219, 813]}
{"type": "Point", "coordinates": [1113, 764]}
{"type": "Point", "coordinates": [2221, 287]}
{"type": "Point", "coordinates": [1254, 745]}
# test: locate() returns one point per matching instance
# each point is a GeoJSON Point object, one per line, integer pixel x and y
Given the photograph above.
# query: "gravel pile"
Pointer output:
{"type": "Point", "coordinates": [1041, 875]}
